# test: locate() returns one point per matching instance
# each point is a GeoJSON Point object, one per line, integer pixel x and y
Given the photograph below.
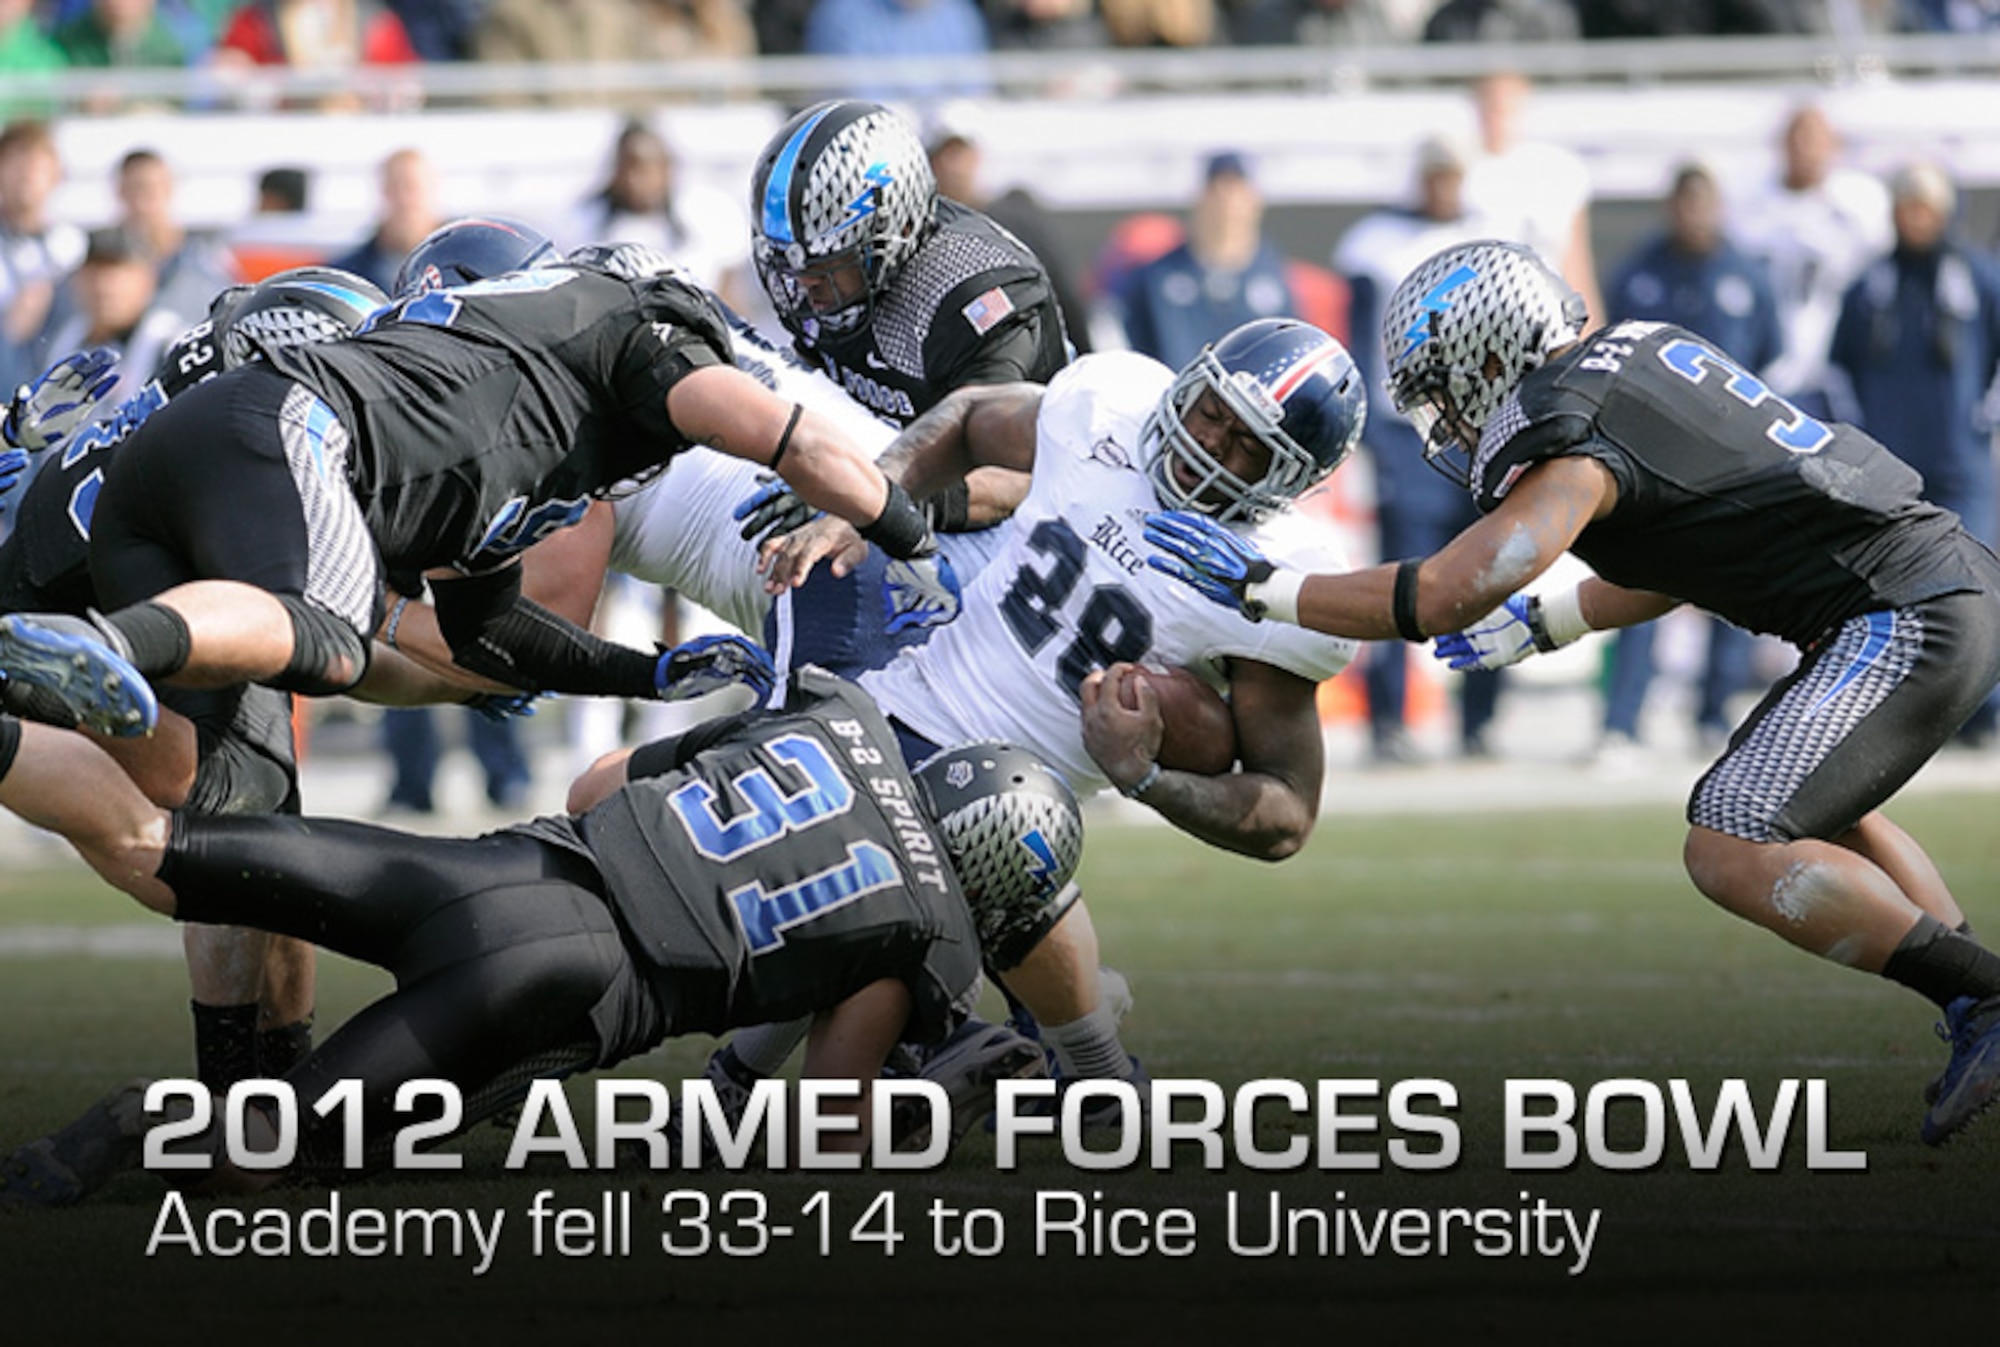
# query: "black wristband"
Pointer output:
{"type": "Point", "coordinates": [1538, 627]}
{"type": "Point", "coordinates": [949, 510]}
{"type": "Point", "coordinates": [900, 529]}
{"type": "Point", "coordinates": [785, 440]}
{"type": "Point", "coordinates": [1404, 604]}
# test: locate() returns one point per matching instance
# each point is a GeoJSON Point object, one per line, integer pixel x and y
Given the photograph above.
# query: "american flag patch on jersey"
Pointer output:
{"type": "Point", "coordinates": [987, 310]}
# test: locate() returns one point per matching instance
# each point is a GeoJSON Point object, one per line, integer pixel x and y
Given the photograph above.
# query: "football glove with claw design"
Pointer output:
{"type": "Point", "coordinates": [1200, 552]}
{"type": "Point", "coordinates": [1504, 636]}
{"type": "Point", "coordinates": [920, 593]}
{"type": "Point", "coordinates": [67, 395]}
{"type": "Point", "coordinates": [772, 511]}
{"type": "Point", "coordinates": [710, 663]}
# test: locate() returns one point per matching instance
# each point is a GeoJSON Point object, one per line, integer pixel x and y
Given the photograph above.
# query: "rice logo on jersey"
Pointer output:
{"type": "Point", "coordinates": [1112, 540]}
{"type": "Point", "coordinates": [878, 397]}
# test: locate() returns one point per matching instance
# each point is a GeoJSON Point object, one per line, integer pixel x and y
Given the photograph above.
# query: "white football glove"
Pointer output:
{"type": "Point", "coordinates": [69, 394]}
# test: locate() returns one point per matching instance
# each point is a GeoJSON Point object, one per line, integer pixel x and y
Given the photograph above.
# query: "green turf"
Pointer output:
{"type": "Point", "coordinates": [1472, 949]}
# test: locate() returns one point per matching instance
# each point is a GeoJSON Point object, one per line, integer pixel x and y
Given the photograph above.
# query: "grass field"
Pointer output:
{"type": "Point", "coordinates": [1475, 949]}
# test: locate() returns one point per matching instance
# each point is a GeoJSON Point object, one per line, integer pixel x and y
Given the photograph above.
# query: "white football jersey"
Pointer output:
{"type": "Point", "coordinates": [1070, 590]}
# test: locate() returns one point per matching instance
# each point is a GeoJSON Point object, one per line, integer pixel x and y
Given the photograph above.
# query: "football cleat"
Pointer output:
{"type": "Point", "coordinates": [970, 1066]}
{"type": "Point", "coordinates": [63, 1169]}
{"type": "Point", "coordinates": [1971, 1079]}
{"type": "Point", "coordinates": [69, 657]}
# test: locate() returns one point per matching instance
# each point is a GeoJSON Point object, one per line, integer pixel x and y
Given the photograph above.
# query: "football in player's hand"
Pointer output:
{"type": "Point", "coordinates": [1200, 733]}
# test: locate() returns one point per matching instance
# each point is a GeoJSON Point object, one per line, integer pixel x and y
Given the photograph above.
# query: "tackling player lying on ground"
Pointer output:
{"type": "Point", "coordinates": [760, 866]}
{"type": "Point", "coordinates": [229, 753]}
{"type": "Point", "coordinates": [246, 531]}
{"type": "Point", "coordinates": [1680, 478]}
{"type": "Point", "coordinates": [1046, 646]}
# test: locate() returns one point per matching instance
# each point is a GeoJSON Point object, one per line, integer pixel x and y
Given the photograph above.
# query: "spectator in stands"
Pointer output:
{"type": "Point", "coordinates": [686, 30]}
{"type": "Point", "coordinates": [116, 302]}
{"type": "Point", "coordinates": [1159, 23]}
{"type": "Point", "coordinates": [36, 250]}
{"type": "Point", "coordinates": [1225, 274]}
{"type": "Point", "coordinates": [121, 35]}
{"type": "Point", "coordinates": [646, 198]}
{"type": "Point", "coordinates": [1502, 21]}
{"type": "Point", "coordinates": [283, 191]}
{"type": "Point", "coordinates": [558, 31]}
{"type": "Point", "coordinates": [1918, 338]}
{"type": "Point", "coordinates": [408, 186]}
{"type": "Point", "coordinates": [957, 163]}
{"type": "Point", "coordinates": [439, 30]}
{"type": "Point", "coordinates": [900, 30]}
{"type": "Point", "coordinates": [26, 52]}
{"type": "Point", "coordinates": [1814, 228]}
{"type": "Point", "coordinates": [1691, 275]}
{"type": "Point", "coordinates": [318, 35]}
{"type": "Point", "coordinates": [1529, 191]}
{"type": "Point", "coordinates": [1044, 25]}
{"type": "Point", "coordinates": [781, 26]}
{"type": "Point", "coordinates": [1417, 508]}
{"type": "Point", "coordinates": [1950, 16]}
{"type": "Point", "coordinates": [191, 267]}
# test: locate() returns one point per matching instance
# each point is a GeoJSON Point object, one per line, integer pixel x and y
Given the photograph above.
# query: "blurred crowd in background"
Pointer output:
{"type": "Point", "coordinates": [1852, 294]}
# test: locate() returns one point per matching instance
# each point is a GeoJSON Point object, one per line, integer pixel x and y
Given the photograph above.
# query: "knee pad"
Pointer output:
{"type": "Point", "coordinates": [328, 656]}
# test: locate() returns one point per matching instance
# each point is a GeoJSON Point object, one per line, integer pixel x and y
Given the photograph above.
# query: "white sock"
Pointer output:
{"type": "Point", "coordinates": [765, 1048]}
{"type": "Point", "coordinates": [1089, 1047]}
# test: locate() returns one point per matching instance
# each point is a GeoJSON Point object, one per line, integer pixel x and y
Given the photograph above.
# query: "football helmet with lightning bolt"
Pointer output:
{"type": "Point", "coordinates": [841, 197]}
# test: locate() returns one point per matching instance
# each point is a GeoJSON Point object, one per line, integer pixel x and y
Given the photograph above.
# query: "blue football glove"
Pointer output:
{"type": "Point", "coordinates": [501, 707]}
{"type": "Point", "coordinates": [709, 663]}
{"type": "Point", "coordinates": [922, 593]}
{"type": "Point", "coordinates": [1504, 636]}
{"type": "Point", "coordinates": [771, 511]}
{"type": "Point", "coordinates": [1200, 552]}
{"type": "Point", "coordinates": [68, 394]}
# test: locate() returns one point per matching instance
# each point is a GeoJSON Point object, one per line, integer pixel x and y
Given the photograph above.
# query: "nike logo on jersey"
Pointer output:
{"type": "Point", "coordinates": [874, 362]}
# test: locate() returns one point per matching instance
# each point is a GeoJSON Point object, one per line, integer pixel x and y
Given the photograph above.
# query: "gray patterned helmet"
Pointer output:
{"type": "Point", "coordinates": [843, 184]}
{"type": "Point", "coordinates": [300, 307]}
{"type": "Point", "coordinates": [1014, 833]}
{"type": "Point", "coordinates": [1464, 328]}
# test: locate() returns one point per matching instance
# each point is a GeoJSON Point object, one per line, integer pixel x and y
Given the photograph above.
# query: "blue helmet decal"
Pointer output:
{"type": "Point", "coordinates": [778, 187]}
{"type": "Point", "coordinates": [1436, 301]}
{"type": "Point", "coordinates": [340, 294]}
{"type": "Point", "coordinates": [877, 177]}
{"type": "Point", "coordinates": [1042, 864]}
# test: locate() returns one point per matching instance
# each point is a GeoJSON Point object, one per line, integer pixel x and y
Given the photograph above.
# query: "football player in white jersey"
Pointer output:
{"type": "Point", "coordinates": [1051, 627]}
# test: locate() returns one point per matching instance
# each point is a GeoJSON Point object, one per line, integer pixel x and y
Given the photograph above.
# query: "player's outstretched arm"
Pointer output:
{"type": "Point", "coordinates": [985, 426]}
{"type": "Point", "coordinates": [722, 407]}
{"type": "Point", "coordinates": [1267, 809]}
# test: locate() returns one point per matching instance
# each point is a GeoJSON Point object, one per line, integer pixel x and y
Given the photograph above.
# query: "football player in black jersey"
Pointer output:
{"type": "Point", "coordinates": [757, 867]}
{"type": "Point", "coordinates": [899, 294]}
{"type": "Point", "coordinates": [1681, 478]}
{"type": "Point", "coordinates": [246, 532]}
{"type": "Point", "coordinates": [215, 753]}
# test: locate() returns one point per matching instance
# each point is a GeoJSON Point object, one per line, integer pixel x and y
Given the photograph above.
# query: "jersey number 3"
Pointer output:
{"type": "Point", "coordinates": [764, 813]}
{"type": "Point", "coordinates": [1793, 429]}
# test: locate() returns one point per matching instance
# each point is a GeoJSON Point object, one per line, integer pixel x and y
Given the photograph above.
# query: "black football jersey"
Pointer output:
{"type": "Point", "coordinates": [1729, 498]}
{"type": "Point", "coordinates": [971, 306]}
{"type": "Point", "coordinates": [483, 417]}
{"type": "Point", "coordinates": [783, 866]}
{"type": "Point", "coordinates": [45, 562]}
